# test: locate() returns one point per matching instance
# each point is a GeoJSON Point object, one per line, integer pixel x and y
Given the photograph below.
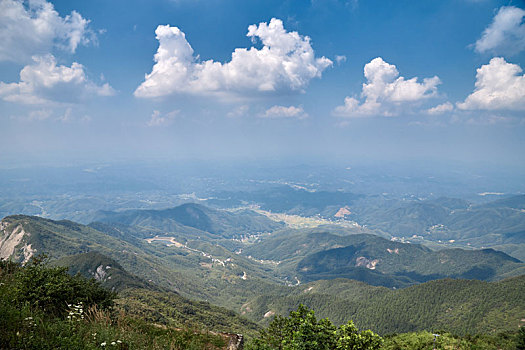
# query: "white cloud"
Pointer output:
{"type": "Point", "coordinates": [442, 108]}
{"type": "Point", "coordinates": [66, 115]}
{"type": "Point", "coordinates": [35, 28]}
{"type": "Point", "coordinates": [42, 114]}
{"type": "Point", "coordinates": [238, 112]}
{"type": "Point", "coordinates": [43, 82]}
{"type": "Point", "coordinates": [386, 93]}
{"type": "Point", "coordinates": [506, 33]}
{"type": "Point", "coordinates": [158, 119]}
{"type": "Point", "coordinates": [340, 59]}
{"type": "Point", "coordinates": [285, 112]}
{"type": "Point", "coordinates": [285, 63]}
{"type": "Point", "coordinates": [484, 119]}
{"type": "Point", "coordinates": [499, 86]}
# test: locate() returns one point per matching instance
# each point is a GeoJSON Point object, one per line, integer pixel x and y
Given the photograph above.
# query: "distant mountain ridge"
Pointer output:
{"type": "Point", "coordinates": [495, 224]}
{"type": "Point", "coordinates": [515, 202]}
{"type": "Point", "coordinates": [289, 199]}
{"type": "Point", "coordinates": [459, 218]}
{"type": "Point", "coordinates": [218, 222]}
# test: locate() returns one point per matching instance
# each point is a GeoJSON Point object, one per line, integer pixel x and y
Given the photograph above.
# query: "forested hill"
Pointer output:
{"type": "Point", "coordinates": [217, 222]}
{"type": "Point", "coordinates": [326, 253]}
{"type": "Point", "coordinates": [457, 306]}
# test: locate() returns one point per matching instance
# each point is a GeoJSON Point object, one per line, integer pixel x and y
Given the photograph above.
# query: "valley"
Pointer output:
{"type": "Point", "coordinates": [236, 256]}
{"type": "Point", "coordinates": [259, 263]}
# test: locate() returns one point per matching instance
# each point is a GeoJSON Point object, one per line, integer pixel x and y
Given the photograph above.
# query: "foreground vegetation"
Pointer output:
{"type": "Point", "coordinates": [443, 340]}
{"type": "Point", "coordinates": [302, 331]}
{"type": "Point", "coordinates": [45, 308]}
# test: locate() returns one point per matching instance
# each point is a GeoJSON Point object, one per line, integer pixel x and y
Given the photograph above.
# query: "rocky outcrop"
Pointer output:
{"type": "Point", "coordinates": [13, 238]}
{"type": "Point", "coordinates": [365, 262]}
{"type": "Point", "coordinates": [236, 341]}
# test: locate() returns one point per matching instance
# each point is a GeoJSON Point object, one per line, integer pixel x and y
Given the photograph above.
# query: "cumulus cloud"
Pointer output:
{"type": "Point", "coordinates": [440, 109]}
{"type": "Point", "coordinates": [506, 33]}
{"type": "Point", "coordinates": [385, 93]}
{"type": "Point", "coordinates": [499, 86]}
{"type": "Point", "coordinates": [45, 82]}
{"type": "Point", "coordinates": [35, 27]}
{"type": "Point", "coordinates": [159, 119]}
{"type": "Point", "coordinates": [285, 112]}
{"type": "Point", "coordinates": [285, 63]}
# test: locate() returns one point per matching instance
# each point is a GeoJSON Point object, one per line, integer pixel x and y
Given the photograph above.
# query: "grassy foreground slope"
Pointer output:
{"type": "Point", "coordinates": [43, 307]}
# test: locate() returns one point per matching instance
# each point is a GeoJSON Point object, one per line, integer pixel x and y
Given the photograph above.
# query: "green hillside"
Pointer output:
{"type": "Point", "coordinates": [103, 269]}
{"type": "Point", "coordinates": [153, 304]}
{"type": "Point", "coordinates": [60, 239]}
{"type": "Point", "coordinates": [363, 259]}
{"type": "Point", "coordinates": [200, 269]}
{"type": "Point", "coordinates": [457, 306]}
{"type": "Point", "coordinates": [172, 309]}
{"type": "Point", "coordinates": [325, 253]}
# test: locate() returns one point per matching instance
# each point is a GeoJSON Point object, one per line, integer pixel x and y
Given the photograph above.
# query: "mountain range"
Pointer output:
{"type": "Point", "coordinates": [249, 263]}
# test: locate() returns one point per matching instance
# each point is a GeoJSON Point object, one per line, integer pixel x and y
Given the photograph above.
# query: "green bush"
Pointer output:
{"type": "Point", "coordinates": [520, 342]}
{"type": "Point", "coordinates": [53, 290]}
{"type": "Point", "coordinates": [302, 331]}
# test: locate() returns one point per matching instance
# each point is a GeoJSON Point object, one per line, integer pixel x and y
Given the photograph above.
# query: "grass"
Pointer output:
{"type": "Point", "coordinates": [28, 328]}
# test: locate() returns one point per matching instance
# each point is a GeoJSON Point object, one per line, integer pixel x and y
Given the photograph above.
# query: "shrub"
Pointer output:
{"type": "Point", "coordinates": [302, 331]}
{"type": "Point", "coordinates": [520, 343]}
{"type": "Point", "coordinates": [52, 289]}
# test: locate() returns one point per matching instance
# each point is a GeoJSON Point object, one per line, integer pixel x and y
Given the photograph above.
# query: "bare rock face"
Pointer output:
{"type": "Point", "coordinates": [100, 274]}
{"type": "Point", "coordinates": [236, 342]}
{"type": "Point", "coordinates": [342, 213]}
{"type": "Point", "coordinates": [13, 242]}
{"type": "Point", "coordinates": [365, 262]}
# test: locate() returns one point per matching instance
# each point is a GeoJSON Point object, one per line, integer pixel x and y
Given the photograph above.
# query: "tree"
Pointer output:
{"type": "Point", "coordinates": [52, 288]}
{"type": "Point", "coordinates": [302, 331]}
{"type": "Point", "coordinates": [520, 344]}
{"type": "Point", "coordinates": [349, 338]}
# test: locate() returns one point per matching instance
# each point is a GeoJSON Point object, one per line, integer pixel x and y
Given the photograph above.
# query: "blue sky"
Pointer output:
{"type": "Point", "coordinates": [380, 80]}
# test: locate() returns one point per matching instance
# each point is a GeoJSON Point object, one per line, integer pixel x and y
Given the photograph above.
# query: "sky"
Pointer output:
{"type": "Point", "coordinates": [371, 80]}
